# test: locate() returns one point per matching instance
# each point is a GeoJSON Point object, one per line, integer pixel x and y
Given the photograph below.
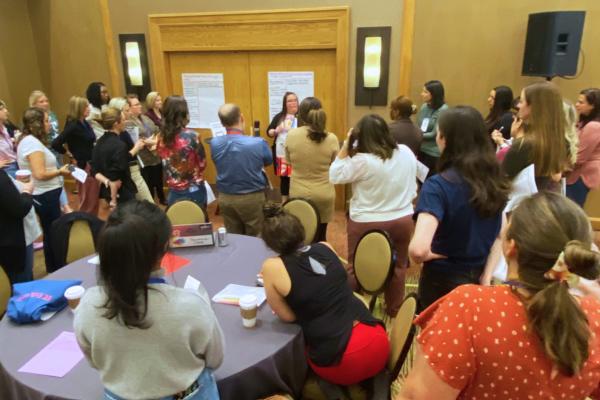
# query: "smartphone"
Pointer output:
{"type": "Point", "coordinates": [256, 129]}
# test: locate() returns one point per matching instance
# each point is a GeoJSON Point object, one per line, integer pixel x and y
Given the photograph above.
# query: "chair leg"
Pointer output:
{"type": "Point", "coordinates": [372, 303]}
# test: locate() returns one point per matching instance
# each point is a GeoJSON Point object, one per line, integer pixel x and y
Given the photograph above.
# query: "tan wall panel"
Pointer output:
{"type": "Point", "coordinates": [131, 17]}
{"type": "Point", "coordinates": [70, 47]}
{"type": "Point", "coordinates": [19, 71]}
{"type": "Point", "coordinates": [474, 46]}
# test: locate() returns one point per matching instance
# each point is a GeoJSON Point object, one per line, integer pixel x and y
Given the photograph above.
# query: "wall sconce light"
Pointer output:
{"type": "Point", "coordinates": [135, 64]}
{"type": "Point", "coordinates": [372, 66]}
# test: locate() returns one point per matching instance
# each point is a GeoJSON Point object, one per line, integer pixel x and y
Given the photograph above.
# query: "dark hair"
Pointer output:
{"type": "Point", "coordinates": [229, 114]}
{"type": "Point", "coordinates": [93, 94]}
{"type": "Point", "coordinates": [401, 107]}
{"type": "Point", "coordinates": [373, 136]}
{"type": "Point", "coordinates": [311, 114]}
{"type": "Point", "coordinates": [502, 104]}
{"type": "Point", "coordinates": [132, 242]}
{"type": "Point", "coordinates": [592, 96]}
{"type": "Point", "coordinates": [33, 124]}
{"type": "Point", "coordinates": [281, 114]}
{"type": "Point", "coordinates": [175, 117]}
{"type": "Point", "coordinates": [282, 232]}
{"type": "Point", "coordinates": [469, 151]}
{"type": "Point", "coordinates": [436, 89]}
{"type": "Point", "coordinates": [542, 226]}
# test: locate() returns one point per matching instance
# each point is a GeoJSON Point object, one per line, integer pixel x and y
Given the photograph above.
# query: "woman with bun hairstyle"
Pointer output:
{"type": "Point", "coordinates": [402, 129]}
{"type": "Point", "coordinates": [310, 150]}
{"type": "Point", "coordinates": [533, 338]}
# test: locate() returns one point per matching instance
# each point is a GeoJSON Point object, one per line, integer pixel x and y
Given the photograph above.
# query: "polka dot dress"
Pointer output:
{"type": "Point", "coordinates": [477, 340]}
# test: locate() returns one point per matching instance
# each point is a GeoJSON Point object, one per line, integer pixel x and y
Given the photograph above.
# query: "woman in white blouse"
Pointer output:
{"type": "Point", "coordinates": [383, 178]}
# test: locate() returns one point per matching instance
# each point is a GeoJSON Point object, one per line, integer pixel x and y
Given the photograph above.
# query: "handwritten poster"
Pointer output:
{"type": "Point", "coordinates": [302, 83]}
{"type": "Point", "coordinates": [204, 93]}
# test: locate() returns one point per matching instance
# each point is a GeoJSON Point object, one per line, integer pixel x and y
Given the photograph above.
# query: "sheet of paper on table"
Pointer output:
{"type": "Point", "coordinates": [57, 358]}
{"type": "Point", "coordinates": [232, 294]}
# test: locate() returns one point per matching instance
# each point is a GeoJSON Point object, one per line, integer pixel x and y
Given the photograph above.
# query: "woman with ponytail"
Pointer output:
{"type": "Point", "coordinates": [310, 149]}
{"type": "Point", "coordinates": [537, 337]}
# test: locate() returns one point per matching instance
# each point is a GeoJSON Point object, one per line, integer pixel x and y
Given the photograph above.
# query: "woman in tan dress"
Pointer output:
{"type": "Point", "coordinates": [310, 150]}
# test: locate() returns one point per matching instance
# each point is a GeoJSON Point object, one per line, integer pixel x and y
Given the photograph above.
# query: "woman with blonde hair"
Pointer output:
{"type": "Point", "coordinates": [154, 107]}
{"type": "Point", "coordinates": [32, 154]}
{"type": "Point", "coordinates": [544, 142]}
{"type": "Point", "coordinates": [310, 150]}
{"type": "Point", "coordinates": [533, 338]}
{"type": "Point", "coordinates": [77, 139]}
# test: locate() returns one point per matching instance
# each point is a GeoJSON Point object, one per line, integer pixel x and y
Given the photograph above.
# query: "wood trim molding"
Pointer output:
{"type": "Point", "coordinates": [111, 57]}
{"type": "Point", "coordinates": [316, 28]}
{"type": "Point", "coordinates": [407, 42]}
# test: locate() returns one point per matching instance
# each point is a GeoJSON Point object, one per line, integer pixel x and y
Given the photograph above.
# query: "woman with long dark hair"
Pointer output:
{"type": "Point", "coordinates": [434, 103]}
{"type": "Point", "coordinates": [459, 210]}
{"type": "Point", "coordinates": [182, 153]}
{"type": "Point", "coordinates": [384, 183]}
{"type": "Point", "coordinates": [500, 117]}
{"type": "Point", "coordinates": [146, 338]}
{"type": "Point", "coordinates": [310, 150]}
{"type": "Point", "coordinates": [281, 123]}
{"type": "Point", "coordinates": [586, 172]}
{"type": "Point", "coordinates": [32, 154]}
{"type": "Point", "coordinates": [533, 338]}
{"type": "Point", "coordinates": [307, 285]}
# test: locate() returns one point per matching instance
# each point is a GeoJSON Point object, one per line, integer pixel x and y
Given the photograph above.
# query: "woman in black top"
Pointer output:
{"type": "Point", "coordinates": [500, 116]}
{"type": "Point", "coordinates": [308, 285]}
{"type": "Point", "coordinates": [78, 139]}
{"type": "Point", "coordinates": [282, 122]}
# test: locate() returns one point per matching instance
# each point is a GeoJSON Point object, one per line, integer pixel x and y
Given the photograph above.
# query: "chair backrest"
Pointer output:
{"type": "Point", "coordinates": [402, 333]}
{"type": "Point", "coordinates": [5, 291]}
{"type": "Point", "coordinates": [185, 212]}
{"type": "Point", "coordinates": [308, 215]}
{"type": "Point", "coordinates": [592, 208]}
{"type": "Point", "coordinates": [374, 258]}
{"type": "Point", "coordinates": [81, 241]}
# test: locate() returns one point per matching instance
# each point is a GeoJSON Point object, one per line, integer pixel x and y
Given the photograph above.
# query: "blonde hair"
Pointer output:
{"type": "Point", "coordinates": [35, 96]}
{"type": "Point", "coordinates": [118, 103]}
{"type": "Point", "coordinates": [77, 106]}
{"type": "Point", "coordinates": [571, 131]}
{"type": "Point", "coordinates": [110, 116]}
{"type": "Point", "coordinates": [2, 104]}
{"type": "Point", "coordinates": [151, 99]}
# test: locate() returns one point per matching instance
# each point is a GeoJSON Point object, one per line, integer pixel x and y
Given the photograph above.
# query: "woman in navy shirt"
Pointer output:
{"type": "Point", "coordinates": [459, 209]}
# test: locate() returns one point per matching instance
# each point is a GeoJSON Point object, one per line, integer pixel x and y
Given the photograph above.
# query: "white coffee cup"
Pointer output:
{"type": "Point", "coordinates": [248, 310]}
{"type": "Point", "coordinates": [74, 295]}
{"type": "Point", "coordinates": [23, 175]}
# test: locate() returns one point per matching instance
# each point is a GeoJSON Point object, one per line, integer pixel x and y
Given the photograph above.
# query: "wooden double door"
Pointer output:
{"type": "Point", "coordinates": [245, 75]}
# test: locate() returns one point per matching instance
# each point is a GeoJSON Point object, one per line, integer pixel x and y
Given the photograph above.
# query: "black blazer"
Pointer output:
{"type": "Point", "coordinates": [80, 138]}
{"type": "Point", "coordinates": [14, 206]}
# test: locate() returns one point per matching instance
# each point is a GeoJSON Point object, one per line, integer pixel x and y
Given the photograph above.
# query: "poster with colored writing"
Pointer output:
{"type": "Point", "coordinates": [204, 93]}
{"type": "Point", "coordinates": [301, 82]}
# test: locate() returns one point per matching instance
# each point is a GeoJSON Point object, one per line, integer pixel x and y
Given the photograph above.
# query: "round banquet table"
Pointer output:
{"type": "Point", "coordinates": [258, 362]}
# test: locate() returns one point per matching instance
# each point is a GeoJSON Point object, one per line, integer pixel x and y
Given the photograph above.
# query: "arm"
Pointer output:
{"type": "Point", "coordinates": [493, 258]}
{"type": "Point", "coordinates": [424, 383]}
{"type": "Point", "coordinates": [37, 160]}
{"type": "Point", "coordinates": [215, 348]}
{"type": "Point", "coordinates": [12, 203]}
{"type": "Point", "coordinates": [431, 131]}
{"type": "Point", "coordinates": [267, 156]}
{"type": "Point", "coordinates": [589, 140]}
{"type": "Point", "coordinates": [273, 273]}
{"type": "Point", "coordinates": [59, 143]}
{"type": "Point", "coordinates": [419, 248]}
{"type": "Point", "coordinates": [347, 170]}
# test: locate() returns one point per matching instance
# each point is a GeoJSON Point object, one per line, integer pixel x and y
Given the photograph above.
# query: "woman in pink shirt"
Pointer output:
{"type": "Point", "coordinates": [586, 171]}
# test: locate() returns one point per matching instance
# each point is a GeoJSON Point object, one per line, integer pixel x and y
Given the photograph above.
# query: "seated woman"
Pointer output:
{"type": "Point", "coordinates": [147, 339]}
{"type": "Point", "coordinates": [530, 339]}
{"type": "Point", "coordinates": [384, 184]}
{"type": "Point", "coordinates": [308, 285]}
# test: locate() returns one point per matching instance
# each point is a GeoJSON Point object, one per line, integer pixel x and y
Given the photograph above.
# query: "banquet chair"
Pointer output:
{"type": "Point", "coordinates": [307, 214]}
{"type": "Point", "coordinates": [373, 262]}
{"type": "Point", "coordinates": [5, 291]}
{"type": "Point", "coordinates": [81, 242]}
{"type": "Point", "coordinates": [592, 208]}
{"type": "Point", "coordinates": [402, 333]}
{"type": "Point", "coordinates": [185, 212]}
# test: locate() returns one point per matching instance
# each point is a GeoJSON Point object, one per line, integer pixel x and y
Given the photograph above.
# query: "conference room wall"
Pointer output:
{"type": "Point", "coordinates": [71, 51]}
{"type": "Point", "coordinates": [472, 46]}
{"type": "Point", "coordinates": [131, 17]}
{"type": "Point", "coordinates": [19, 71]}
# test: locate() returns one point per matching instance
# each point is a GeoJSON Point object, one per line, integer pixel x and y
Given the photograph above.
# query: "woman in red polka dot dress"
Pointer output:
{"type": "Point", "coordinates": [534, 338]}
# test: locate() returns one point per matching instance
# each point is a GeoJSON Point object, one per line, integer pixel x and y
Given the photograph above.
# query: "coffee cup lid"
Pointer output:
{"type": "Point", "coordinates": [74, 292]}
{"type": "Point", "coordinates": [23, 172]}
{"type": "Point", "coordinates": [248, 300]}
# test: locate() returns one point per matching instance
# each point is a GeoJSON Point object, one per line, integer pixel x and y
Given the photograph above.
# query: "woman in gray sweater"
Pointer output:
{"type": "Point", "coordinates": [434, 104]}
{"type": "Point", "coordinates": [147, 339]}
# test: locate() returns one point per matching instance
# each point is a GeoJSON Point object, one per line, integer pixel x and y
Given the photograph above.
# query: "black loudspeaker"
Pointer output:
{"type": "Point", "coordinates": [552, 44]}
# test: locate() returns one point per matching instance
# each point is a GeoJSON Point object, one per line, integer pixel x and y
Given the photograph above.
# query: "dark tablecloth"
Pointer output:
{"type": "Point", "coordinates": [258, 362]}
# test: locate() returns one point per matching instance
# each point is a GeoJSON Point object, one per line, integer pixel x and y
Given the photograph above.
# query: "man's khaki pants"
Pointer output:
{"type": "Point", "coordinates": [242, 213]}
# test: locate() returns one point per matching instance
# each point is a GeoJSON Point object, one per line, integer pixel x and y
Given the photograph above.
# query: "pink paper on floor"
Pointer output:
{"type": "Point", "coordinates": [171, 263]}
{"type": "Point", "coordinates": [57, 358]}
